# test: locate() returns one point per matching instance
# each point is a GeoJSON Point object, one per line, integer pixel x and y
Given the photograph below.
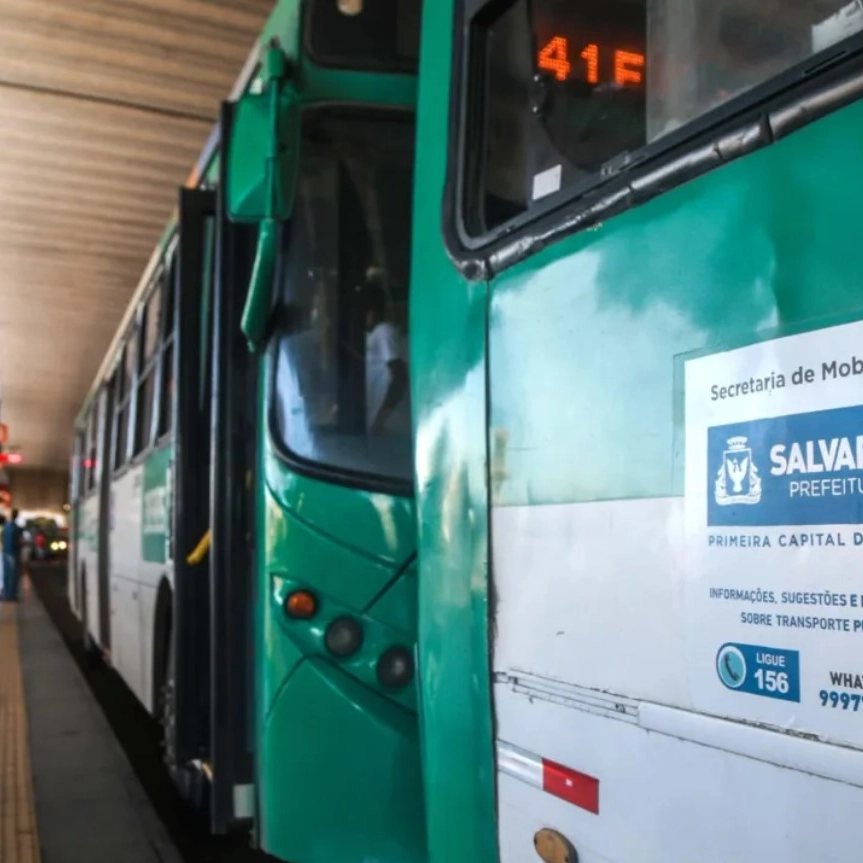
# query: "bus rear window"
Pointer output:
{"type": "Point", "coordinates": [570, 88]}
{"type": "Point", "coordinates": [377, 35]}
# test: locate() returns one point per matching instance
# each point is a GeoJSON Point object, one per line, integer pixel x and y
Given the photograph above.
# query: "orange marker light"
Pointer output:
{"type": "Point", "coordinates": [555, 58]}
{"type": "Point", "coordinates": [628, 68]}
{"type": "Point", "coordinates": [301, 605]}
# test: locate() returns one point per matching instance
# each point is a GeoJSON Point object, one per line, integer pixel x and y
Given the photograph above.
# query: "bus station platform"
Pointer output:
{"type": "Point", "coordinates": [67, 792]}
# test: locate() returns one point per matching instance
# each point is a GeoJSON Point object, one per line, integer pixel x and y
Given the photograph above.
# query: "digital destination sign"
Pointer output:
{"type": "Point", "coordinates": [600, 45]}
{"type": "Point", "coordinates": [591, 62]}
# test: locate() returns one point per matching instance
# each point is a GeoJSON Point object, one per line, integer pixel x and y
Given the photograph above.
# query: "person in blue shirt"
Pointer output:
{"type": "Point", "coordinates": [11, 555]}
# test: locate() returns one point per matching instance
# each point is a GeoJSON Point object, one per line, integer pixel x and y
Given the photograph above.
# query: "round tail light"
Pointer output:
{"type": "Point", "coordinates": [344, 637]}
{"type": "Point", "coordinates": [395, 667]}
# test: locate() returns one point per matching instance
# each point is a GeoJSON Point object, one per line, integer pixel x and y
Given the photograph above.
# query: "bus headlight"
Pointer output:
{"type": "Point", "coordinates": [395, 667]}
{"type": "Point", "coordinates": [344, 637]}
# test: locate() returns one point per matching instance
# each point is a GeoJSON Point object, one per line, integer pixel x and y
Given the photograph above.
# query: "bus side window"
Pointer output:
{"type": "Point", "coordinates": [146, 389]}
{"type": "Point", "coordinates": [126, 376]}
{"type": "Point", "coordinates": [166, 390]}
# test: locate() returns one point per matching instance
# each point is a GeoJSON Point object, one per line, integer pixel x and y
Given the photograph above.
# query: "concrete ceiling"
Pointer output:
{"type": "Point", "coordinates": [104, 107]}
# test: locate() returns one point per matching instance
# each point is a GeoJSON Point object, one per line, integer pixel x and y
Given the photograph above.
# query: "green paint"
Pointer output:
{"type": "Point", "coordinates": [381, 528]}
{"type": "Point", "coordinates": [321, 84]}
{"type": "Point", "coordinates": [763, 247]}
{"type": "Point", "coordinates": [585, 346]}
{"type": "Point", "coordinates": [448, 329]}
{"type": "Point", "coordinates": [308, 635]}
{"type": "Point", "coordinates": [262, 149]}
{"type": "Point", "coordinates": [352, 762]}
{"type": "Point", "coordinates": [284, 26]}
{"type": "Point", "coordinates": [353, 548]}
{"type": "Point", "coordinates": [349, 546]}
{"type": "Point", "coordinates": [154, 508]}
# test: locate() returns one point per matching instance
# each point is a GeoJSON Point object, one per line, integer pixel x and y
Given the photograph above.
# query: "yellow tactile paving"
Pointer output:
{"type": "Point", "coordinates": [19, 841]}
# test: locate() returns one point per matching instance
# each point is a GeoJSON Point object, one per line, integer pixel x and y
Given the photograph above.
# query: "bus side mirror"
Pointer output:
{"type": "Point", "coordinates": [261, 172]}
{"type": "Point", "coordinates": [262, 148]}
{"type": "Point", "coordinates": [261, 156]}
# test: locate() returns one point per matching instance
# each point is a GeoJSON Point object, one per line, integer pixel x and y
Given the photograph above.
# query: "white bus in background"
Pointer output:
{"type": "Point", "coordinates": [159, 442]}
{"type": "Point", "coordinates": [123, 453]}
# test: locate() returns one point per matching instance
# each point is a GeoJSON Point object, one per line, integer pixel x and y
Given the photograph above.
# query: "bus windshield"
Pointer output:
{"type": "Point", "coordinates": [341, 381]}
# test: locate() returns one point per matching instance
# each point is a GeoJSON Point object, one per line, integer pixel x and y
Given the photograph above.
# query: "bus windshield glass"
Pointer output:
{"type": "Point", "coordinates": [575, 86]}
{"type": "Point", "coordinates": [379, 35]}
{"type": "Point", "coordinates": [341, 387]}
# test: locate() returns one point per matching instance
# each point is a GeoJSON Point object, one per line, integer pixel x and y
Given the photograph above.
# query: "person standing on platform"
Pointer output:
{"type": "Point", "coordinates": [11, 557]}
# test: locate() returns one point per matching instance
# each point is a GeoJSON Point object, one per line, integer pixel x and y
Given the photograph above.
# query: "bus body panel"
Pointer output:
{"type": "Point", "coordinates": [88, 562]}
{"type": "Point", "coordinates": [154, 563]}
{"type": "Point", "coordinates": [126, 579]}
{"type": "Point", "coordinates": [449, 392]}
{"type": "Point", "coordinates": [137, 529]}
{"type": "Point", "coordinates": [352, 549]}
{"type": "Point", "coordinates": [663, 797]}
{"type": "Point", "coordinates": [648, 759]}
{"type": "Point", "coordinates": [616, 723]}
{"type": "Point", "coordinates": [384, 814]}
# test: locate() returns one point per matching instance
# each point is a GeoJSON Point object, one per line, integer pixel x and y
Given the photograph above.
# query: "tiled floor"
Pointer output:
{"type": "Point", "coordinates": [18, 841]}
{"type": "Point", "coordinates": [73, 785]}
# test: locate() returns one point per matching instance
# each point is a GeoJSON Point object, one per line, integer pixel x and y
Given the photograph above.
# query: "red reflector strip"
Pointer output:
{"type": "Point", "coordinates": [577, 788]}
{"type": "Point", "coordinates": [570, 785]}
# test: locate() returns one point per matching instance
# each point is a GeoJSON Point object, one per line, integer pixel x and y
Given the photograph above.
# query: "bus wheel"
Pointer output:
{"type": "Point", "coordinates": [189, 779]}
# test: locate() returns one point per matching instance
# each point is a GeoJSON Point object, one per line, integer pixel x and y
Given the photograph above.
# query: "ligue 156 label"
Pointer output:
{"type": "Point", "coordinates": [756, 670]}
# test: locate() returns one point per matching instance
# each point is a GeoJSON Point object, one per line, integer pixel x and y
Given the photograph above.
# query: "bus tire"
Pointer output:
{"type": "Point", "coordinates": [189, 781]}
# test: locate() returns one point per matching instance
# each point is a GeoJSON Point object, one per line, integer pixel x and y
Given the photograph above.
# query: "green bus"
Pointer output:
{"type": "Point", "coordinates": [616, 261]}
{"type": "Point", "coordinates": [636, 304]}
{"type": "Point", "coordinates": [244, 532]}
